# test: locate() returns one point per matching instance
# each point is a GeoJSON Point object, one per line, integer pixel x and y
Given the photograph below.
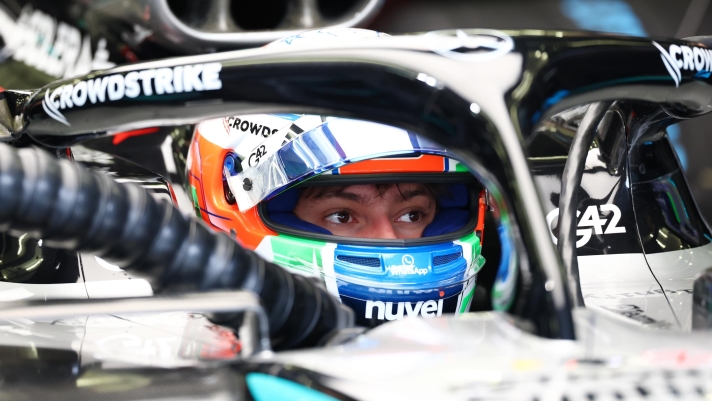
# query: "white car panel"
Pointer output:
{"type": "Point", "coordinates": [676, 272]}
{"type": "Point", "coordinates": [35, 292]}
{"type": "Point", "coordinates": [623, 284]}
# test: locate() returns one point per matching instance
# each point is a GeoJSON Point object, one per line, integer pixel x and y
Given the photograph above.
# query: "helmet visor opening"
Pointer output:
{"type": "Point", "coordinates": [416, 209]}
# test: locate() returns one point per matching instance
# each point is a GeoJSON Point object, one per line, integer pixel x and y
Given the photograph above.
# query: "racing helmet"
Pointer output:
{"type": "Point", "coordinates": [247, 174]}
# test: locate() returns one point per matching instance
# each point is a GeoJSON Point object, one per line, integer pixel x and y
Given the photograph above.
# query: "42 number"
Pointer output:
{"type": "Point", "coordinates": [257, 155]}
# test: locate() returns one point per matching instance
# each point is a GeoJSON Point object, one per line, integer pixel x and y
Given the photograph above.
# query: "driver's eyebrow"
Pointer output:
{"type": "Point", "coordinates": [408, 195]}
{"type": "Point", "coordinates": [346, 195]}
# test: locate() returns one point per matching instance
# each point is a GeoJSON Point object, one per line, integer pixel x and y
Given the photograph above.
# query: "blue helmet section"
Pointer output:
{"type": "Point", "coordinates": [388, 283]}
{"type": "Point", "coordinates": [383, 283]}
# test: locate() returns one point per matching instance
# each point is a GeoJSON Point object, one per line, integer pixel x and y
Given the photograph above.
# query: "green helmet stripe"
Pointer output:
{"type": "Point", "coordinates": [465, 304]}
{"type": "Point", "coordinates": [196, 205]}
{"type": "Point", "coordinates": [299, 254]}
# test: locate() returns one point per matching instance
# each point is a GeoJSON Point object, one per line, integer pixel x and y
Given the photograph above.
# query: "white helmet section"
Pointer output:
{"type": "Point", "coordinates": [244, 134]}
{"type": "Point", "coordinates": [281, 160]}
{"type": "Point", "coordinates": [326, 36]}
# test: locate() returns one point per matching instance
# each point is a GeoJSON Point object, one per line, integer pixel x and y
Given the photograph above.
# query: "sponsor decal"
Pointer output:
{"type": "Point", "coordinates": [256, 155]}
{"type": "Point", "coordinates": [679, 57]}
{"type": "Point", "coordinates": [385, 310]}
{"type": "Point", "coordinates": [53, 47]}
{"type": "Point", "coordinates": [470, 44]}
{"type": "Point", "coordinates": [184, 78]}
{"type": "Point", "coordinates": [591, 218]}
{"type": "Point", "coordinates": [407, 268]}
{"type": "Point", "coordinates": [272, 144]}
{"type": "Point", "coordinates": [637, 294]}
{"type": "Point", "coordinates": [400, 292]}
{"type": "Point", "coordinates": [248, 126]}
{"type": "Point", "coordinates": [634, 312]}
{"type": "Point", "coordinates": [379, 306]}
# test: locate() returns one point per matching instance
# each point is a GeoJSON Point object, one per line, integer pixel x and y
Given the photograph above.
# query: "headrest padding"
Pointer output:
{"type": "Point", "coordinates": [459, 197]}
{"type": "Point", "coordinates": [284, 202]}
{"type": "Point", "coordinates": [446, 222]}
{"type": "Point", "coordinates": [292, 221]}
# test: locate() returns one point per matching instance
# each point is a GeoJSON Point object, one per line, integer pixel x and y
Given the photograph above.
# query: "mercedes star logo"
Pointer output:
{"type": "Point", "coordinates": [470, 44]}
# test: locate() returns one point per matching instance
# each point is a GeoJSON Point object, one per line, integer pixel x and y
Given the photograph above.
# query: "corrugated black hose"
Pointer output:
{"type": "Point", "coordinates": [72, 208]}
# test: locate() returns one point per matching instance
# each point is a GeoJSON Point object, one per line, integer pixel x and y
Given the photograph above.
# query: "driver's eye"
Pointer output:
{"type": "Point", "coordinates": [410, 217]}
{"type": "Point", "coordinates": [342, 217]}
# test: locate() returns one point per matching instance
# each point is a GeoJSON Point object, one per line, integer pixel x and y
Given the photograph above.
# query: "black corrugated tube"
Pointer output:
{"type": "Point", "coordinates": [72, 208]}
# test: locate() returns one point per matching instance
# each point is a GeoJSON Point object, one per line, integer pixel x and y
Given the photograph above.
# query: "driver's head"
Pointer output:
{"type": "Point", "coordinates": [385, 211]}
{"type": "Point", "coordinates": [382, 216]}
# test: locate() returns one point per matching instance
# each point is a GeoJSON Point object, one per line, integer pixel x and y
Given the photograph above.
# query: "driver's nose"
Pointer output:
{"type": "Point", "coordinates": [381, 227]}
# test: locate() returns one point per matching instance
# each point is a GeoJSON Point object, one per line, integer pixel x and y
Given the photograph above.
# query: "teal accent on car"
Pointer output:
{"type": "Point", "coordinates": [270, 388]}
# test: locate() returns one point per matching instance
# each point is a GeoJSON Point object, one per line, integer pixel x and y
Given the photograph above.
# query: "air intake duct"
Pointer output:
{"type": "Point", "coordinates": [196, 27]}
{"type": "Point", "coordinates": [72, 208]}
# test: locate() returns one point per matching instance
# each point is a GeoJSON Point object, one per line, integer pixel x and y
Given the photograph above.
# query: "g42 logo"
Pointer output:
{"type": "Point", "coordinates": [256, 155]}
{"type": "Point", "coordinates": [591, 218]}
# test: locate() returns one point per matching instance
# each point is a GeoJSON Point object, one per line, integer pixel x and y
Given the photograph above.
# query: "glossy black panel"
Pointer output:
{"type": "Point", "coordinates": [380, 94]}
{"type": "Point", "coordinates": [124, 170]}
{"type": "Point", "coordinates": [567, 70]}
{"type": "Point", "coordinates": [25, 260]}
{"type": "Point", "coordinates": [606, 222]}
{"type": "Point", "coordinates": [40, 373]}
{"type": "Point", "coordinates": [666, 213]}
{"type": "Point", "coordinates": [570, 69]}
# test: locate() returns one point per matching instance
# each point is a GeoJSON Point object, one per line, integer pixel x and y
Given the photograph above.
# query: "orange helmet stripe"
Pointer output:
{"type": "Point", "coordinates": [419, 164]}
{"type": "Point", "coordinates": [205, 175]}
